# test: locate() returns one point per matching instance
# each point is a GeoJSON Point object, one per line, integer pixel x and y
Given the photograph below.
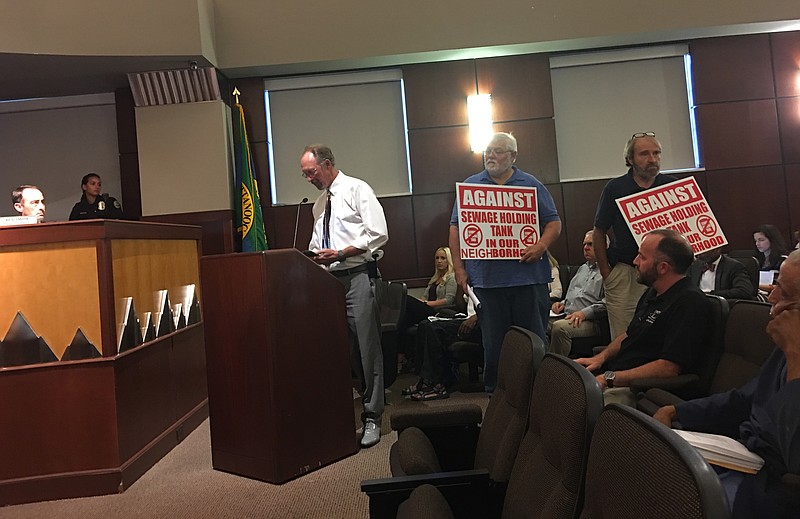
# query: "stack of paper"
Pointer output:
{"type": "Point", "coordinates": [723, 451]}
{"type": "Point", "coordinates": [162, 314]}
{"type": "Point", "coordinates": [189, 304]}
{"type": "Point", "coordinates": [767, 277]}
{"type": "Point", "coordinates": [128, 335]}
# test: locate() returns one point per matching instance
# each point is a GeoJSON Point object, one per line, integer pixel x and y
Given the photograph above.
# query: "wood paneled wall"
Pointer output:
{"type": "Point", "coordinates": [439, 149]}
{"type": "Point", "coordinates": [747, 90]}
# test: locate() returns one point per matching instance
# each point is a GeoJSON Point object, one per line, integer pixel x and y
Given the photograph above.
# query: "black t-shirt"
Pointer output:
{"type": "Point", "coordinates": [623, 245]}
{"type": "Point", "coordinates": [673, 326]}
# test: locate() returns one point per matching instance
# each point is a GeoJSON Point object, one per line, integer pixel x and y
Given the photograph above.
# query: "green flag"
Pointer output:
{"type": "Point", "coordinates": [249, 221]}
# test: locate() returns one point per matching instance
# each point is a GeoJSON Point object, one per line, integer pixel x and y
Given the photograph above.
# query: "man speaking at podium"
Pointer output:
{"type": "Point", "coordinates": [349, 226]}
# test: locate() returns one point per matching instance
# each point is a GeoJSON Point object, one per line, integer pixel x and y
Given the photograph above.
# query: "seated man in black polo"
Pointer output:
{"type": "Point", "coordinates": [715, 273]}
{"type": "Point", "coordinates": [668, 332]}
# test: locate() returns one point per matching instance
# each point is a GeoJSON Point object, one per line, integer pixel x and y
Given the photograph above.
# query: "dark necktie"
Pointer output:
{"type": "Point", "coordinates": [326, 224]}
{"type": "Point", "coordinates": [709, 266]}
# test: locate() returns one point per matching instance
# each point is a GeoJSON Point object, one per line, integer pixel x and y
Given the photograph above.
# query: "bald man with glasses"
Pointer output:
{"type": "Point", "coordinates": [642, 155]}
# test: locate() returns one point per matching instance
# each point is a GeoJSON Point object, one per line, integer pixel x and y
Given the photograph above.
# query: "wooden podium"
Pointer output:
{"type": "Point", "coordinates": [74, 428]}
{"type": "Point", "coordinates": [278, 361]}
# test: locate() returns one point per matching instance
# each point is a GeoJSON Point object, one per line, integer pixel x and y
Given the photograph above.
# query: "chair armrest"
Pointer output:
{"type": "Point", "coordinates": [670, 384]}
{"type": "Point", "coordinates": [386, 494]}
{"type": "Point", "coordinates": [661, 398]}
{"type": "Point", "coordinates": [654, 399]}
{"type": "Point", "coordinates": [791, 481]}
{"type": "Point", "coordinates": [440, 416]}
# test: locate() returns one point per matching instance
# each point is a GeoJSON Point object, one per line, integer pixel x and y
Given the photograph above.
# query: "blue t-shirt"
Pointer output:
{"type": "Point", "coordinates": [512, 273]}
{"type": "Point", "coordinates": [623, 246]}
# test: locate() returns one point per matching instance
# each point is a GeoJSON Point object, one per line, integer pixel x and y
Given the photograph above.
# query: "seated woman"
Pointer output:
{"type": "Point", "coordinates": [440, 292]}
{"type": "Point", "coordinates": [436, 372]}
{"type": "Point", "coordinates": [771, 250]}
{"type": "Point", "coordinates": [441, 289]}
{"type": "Point", "coordinates": [93, 204]}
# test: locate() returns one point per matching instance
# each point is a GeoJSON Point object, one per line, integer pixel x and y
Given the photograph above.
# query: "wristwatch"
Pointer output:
{"type": "Point", "coordinates": [341, 255]}
{"type": "Point", "coordinates": [609, 376]}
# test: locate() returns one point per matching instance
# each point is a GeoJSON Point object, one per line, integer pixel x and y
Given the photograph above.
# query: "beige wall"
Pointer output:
{"type": "Point", "coordinates": [253, 32]}
{"type": "Point", "coordinates": [184, 159]}
{"type": "Point", "coordinates": [242, 34]}
{"type": "Point", "coordinates": [114, 28]}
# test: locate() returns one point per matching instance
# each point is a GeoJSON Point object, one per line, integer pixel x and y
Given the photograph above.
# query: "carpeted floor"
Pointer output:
{"type": "Point", "coordinates": [183, 484]}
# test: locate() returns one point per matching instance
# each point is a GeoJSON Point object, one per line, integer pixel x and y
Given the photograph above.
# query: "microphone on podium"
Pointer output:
{"type": "Point", "coordinates": [297, 221]}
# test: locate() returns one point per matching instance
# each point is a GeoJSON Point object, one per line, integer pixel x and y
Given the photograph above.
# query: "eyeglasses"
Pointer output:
{"type": "Point", "coordinates": [495, 151]}
{"type": "Point", "coordinates": [642, 134]}
{"type": "Point", "coordinates": [314, 173]}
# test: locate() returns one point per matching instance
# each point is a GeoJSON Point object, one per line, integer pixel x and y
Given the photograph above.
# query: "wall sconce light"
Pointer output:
{"type": "Point", "coordinates": [479, 109]}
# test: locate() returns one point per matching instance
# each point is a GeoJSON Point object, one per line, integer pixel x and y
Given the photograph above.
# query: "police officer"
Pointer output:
{"type": "Point", "coordinates": [93, 204]}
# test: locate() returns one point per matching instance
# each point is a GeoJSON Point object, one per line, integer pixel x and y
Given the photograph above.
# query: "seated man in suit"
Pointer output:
{"type": "Point", "coordinates": [583, 306]}
{"type": "Point", "coordinates": [669, 329]}
{"type": "Point", "coordinates": [764, 415]}
{"type": "Point", "coordinates": [715, 273]}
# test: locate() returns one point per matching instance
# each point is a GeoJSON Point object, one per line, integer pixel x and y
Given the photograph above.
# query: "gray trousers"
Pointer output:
{"type": "Point", "coordinates": [365, 341]}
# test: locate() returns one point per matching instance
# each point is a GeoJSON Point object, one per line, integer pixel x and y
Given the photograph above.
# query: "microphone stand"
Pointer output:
{"type": "Point", "coordinates": [297, 221]}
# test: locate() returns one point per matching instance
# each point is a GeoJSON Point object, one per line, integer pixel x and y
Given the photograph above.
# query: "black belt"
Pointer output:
{"type": "Point", "coordinates": [349, 272]}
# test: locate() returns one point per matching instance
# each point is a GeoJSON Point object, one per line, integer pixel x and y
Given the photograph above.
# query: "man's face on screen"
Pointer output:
{"type": "Point", "coordinates": [32, 204]}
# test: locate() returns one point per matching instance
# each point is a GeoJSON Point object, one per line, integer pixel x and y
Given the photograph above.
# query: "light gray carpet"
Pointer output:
{"type": "Point", "coordinates": [183, 484]}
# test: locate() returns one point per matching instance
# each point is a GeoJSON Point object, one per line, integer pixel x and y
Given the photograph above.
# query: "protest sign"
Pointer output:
{"type": "Point", "coordinates": [678, 205]}
{"type": "Point", "coordinates": [496, 222]}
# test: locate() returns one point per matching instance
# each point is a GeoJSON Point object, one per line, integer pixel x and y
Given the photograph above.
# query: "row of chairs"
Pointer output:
{"type": "Point", "coordinates": [391, 298]}
{"type": "Point", "coordinates": [652, 473]}
{"type": "Point", "coordinates": [532, 454]}
{"type": "Point", "coordinates": [737, 346]}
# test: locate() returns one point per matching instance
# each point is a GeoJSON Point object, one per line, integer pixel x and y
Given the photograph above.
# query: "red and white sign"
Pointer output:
{"type": "Point", "coordinates": [679, 205]}
{"type": "Point", "coordinates": [496, 222]}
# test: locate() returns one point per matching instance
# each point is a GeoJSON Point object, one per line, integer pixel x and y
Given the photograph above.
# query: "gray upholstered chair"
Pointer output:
{"type": "Point", "coordinates": [640, 468]}
{"type": "Point", "coordinates": [425, 502]}
{"type": "Point", "coordinates": [391, 299]}
{"type": "Point", "coordinates": [549, 468]}
{"type": "Point", "coordinates": [435, 444]}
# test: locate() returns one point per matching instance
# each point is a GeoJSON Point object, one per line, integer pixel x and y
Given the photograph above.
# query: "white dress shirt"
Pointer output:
{"type": "Point", "coordinates": [708, 279]}
{"type": "Point", "coordinates": [357, 219]}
